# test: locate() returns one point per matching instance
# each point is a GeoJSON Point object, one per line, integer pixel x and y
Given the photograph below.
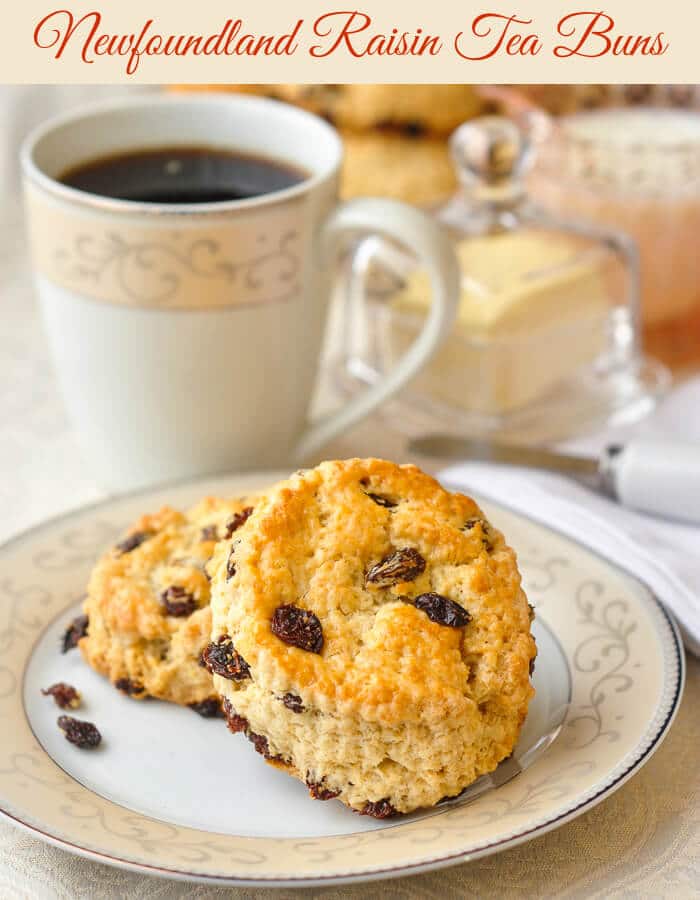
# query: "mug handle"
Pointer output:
{"type": "Point", "coordinates": [420, 233]}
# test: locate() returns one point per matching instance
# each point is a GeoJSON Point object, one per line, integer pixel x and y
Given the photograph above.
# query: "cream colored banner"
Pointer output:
{"type": "Point", "coordinates": [153, 41]}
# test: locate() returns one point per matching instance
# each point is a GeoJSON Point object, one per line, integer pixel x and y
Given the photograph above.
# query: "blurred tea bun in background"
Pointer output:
{"type": "Point", "coordinates": [395, 134]}
{"type": "Point", "coordinates": [415, 108]}
{"type": "Point", "coordinates": [389, 164]}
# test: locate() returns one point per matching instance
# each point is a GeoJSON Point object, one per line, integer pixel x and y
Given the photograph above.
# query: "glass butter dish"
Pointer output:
{"type": "Point", "coordinates": [546, 337]}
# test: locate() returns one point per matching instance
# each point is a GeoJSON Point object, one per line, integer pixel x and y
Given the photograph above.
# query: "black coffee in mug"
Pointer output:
{"type": "Point", "coordinates": [182, 175]}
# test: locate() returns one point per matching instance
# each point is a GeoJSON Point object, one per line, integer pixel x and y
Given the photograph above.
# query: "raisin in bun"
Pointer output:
{"type": "Point", "coordinates": [371, 636]}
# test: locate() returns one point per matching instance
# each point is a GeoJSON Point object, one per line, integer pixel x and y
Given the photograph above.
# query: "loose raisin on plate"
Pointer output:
{"type": "Point", "coordinates": [293, 702]}
{"type": "Point", "coordinates": [379, 809]}
{"type": "Point", "coordinates": [76, 630]}
{"type": "Point", "coordinates": [236, 520]}
{"type": "Point", "coordinates": [132, 541]}
{"type": "Point", "coordinates": [83, 734]}
{"type": "Point", "coordinates": [235, 722]}
{"type": "Point", "coordinates": [298, 627]}
{"type": "Point", "coordinates": [129, 687]}
{"type": "Point", "coordinates": [401, 565]}
{"type": "Point", "coordinates": [440, 609]}
{"type": "Point", "coordinates": [64, 695]}
{"type": "Point", "coordinates": [209, 533]}
{"type": "Point", "coordinates": [178, 602]}
{"type": "Point", "coordinates": [208, 709]}
{"type": "Point", "coordinates": [318, 789]}
{"type": "Point", "coordinates": [221, 658]}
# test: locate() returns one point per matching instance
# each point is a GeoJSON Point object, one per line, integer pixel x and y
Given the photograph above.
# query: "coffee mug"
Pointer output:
{"type": "Point", "coordinates": [187, 337]}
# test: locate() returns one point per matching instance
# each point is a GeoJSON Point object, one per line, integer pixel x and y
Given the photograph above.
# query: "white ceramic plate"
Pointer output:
{"type": "Point", "coordinates": [173, 794]}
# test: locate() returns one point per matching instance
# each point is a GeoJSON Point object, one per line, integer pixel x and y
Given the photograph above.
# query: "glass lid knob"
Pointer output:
{"type": "Point", "coordinates": [491, 155]}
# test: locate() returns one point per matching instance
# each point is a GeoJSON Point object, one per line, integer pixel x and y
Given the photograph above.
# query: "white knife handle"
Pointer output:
{"type": "Point", "coordinates": [657, 476]}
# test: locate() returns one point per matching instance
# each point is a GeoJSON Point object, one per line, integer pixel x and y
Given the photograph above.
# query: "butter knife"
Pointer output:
{"type": "Point", "coordinates": [656, 476]}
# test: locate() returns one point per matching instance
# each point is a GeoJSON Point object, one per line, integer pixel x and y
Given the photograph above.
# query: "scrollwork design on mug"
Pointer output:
{"type": "Point", "coordinates": [605, 651]}
{"type": "Point", "coordinates": [152, 271]}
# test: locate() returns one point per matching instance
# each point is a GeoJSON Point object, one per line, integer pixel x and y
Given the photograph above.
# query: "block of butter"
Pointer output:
{"type": "Point", "coordinates": [532, 311]}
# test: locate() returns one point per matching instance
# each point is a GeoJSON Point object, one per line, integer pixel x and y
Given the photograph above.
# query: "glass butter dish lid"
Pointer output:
{"type": "Point", "coordinates": [546, 338]}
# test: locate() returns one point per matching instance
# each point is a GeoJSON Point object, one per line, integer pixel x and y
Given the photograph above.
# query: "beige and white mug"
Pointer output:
{"type": "Point", "coordinates": [187, 337]}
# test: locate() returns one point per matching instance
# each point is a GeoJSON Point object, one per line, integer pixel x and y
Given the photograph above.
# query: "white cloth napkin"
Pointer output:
{"type": "Point", "coordinates": [664, 554]}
